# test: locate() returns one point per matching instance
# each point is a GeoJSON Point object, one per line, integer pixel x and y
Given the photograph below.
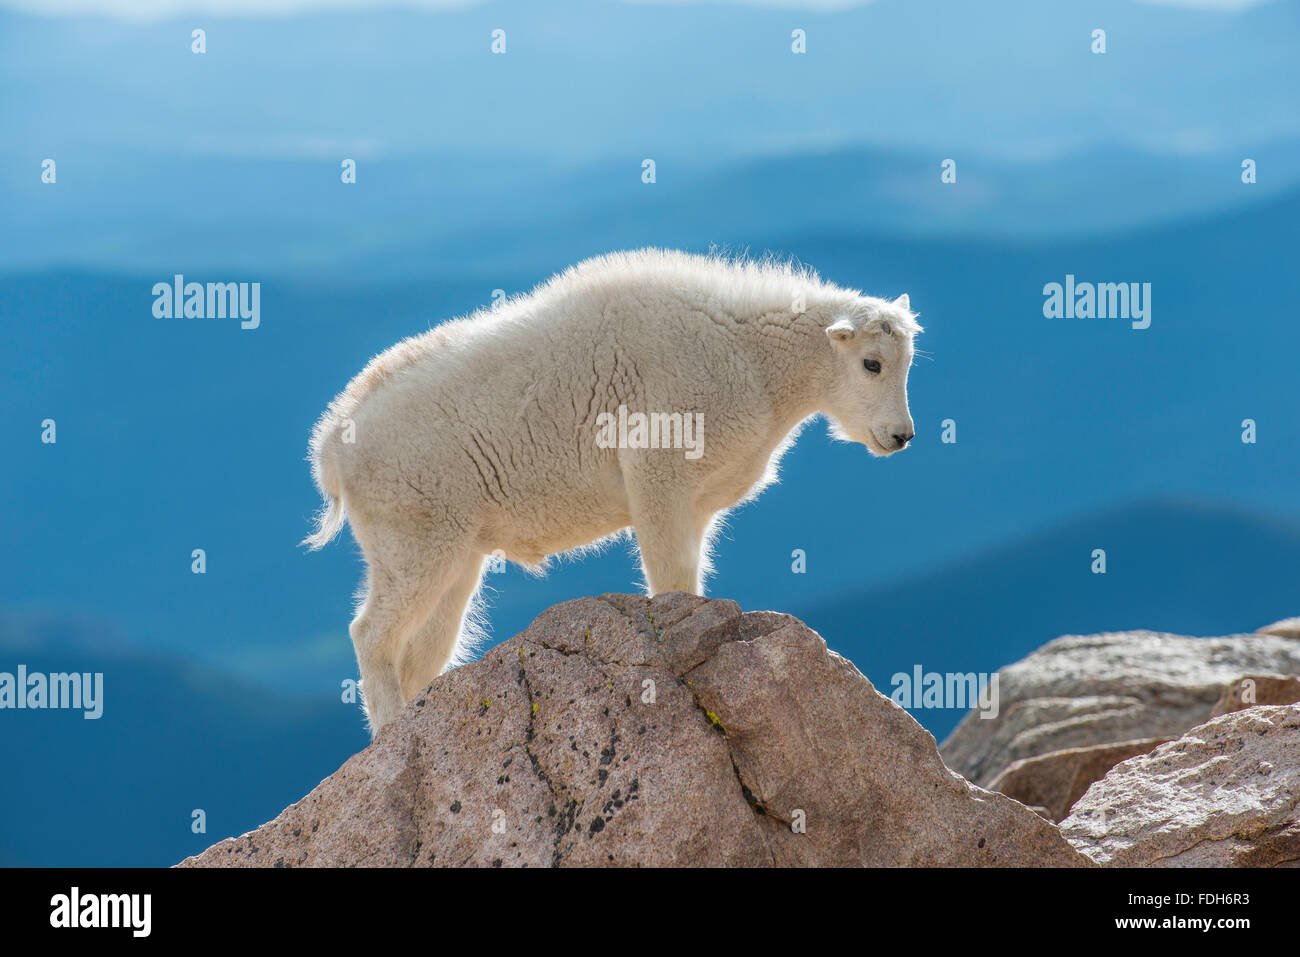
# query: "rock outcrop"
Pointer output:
{"type": "Point", "coordinates": [1227, 793]}
{"type": "Point", "coordinates": [675, 731]}
{"type": "Point", "coordinates": [1053, 782]}
{"type": "Point", "coordinates": [1100, 690]}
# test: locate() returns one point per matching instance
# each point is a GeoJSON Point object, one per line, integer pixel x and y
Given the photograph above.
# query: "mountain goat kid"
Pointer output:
{"type": "Point", "coordinates": [649, 389]}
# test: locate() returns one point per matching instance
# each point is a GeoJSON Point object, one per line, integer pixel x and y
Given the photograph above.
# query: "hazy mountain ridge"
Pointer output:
{"type": "Point", "coordinates": [405, 219]}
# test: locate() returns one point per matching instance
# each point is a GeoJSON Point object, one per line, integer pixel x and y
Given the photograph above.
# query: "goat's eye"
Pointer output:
{"type": "Point", "coordinates": [872, 366]}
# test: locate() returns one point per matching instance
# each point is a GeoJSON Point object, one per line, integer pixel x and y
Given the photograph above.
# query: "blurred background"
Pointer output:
{"type": "Point", "coordinates": [478, 171]}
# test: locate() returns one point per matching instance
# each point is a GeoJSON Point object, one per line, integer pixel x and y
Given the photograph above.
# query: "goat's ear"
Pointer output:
{"type": "Point", "coordinates": [902, 302]}
{"type": "Point", "coordinates": [841, 331]}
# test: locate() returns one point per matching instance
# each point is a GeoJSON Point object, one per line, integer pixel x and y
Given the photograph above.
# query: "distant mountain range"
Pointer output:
{"type": "Point", "coordinates": [407, 219]}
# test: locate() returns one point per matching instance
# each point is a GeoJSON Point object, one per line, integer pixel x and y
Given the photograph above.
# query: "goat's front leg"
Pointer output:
{"type": "Point", "coordinates": [669, 536]}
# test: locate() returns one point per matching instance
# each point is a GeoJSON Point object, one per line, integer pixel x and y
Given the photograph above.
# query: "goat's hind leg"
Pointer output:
{"type": "Point", "coordinates": [434, 646]}
{"type": "Point", "coordinates": [408, 576]}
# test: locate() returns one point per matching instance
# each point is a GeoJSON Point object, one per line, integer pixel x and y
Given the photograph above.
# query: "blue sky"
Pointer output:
{"type": "Point", "coordinates": [597, 78]}
{"type": "Point", "coordinates": [145, 9]}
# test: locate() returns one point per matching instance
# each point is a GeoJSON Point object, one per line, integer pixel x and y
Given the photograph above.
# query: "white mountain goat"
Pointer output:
{"type": "Point", "coordinates": [650, 389]}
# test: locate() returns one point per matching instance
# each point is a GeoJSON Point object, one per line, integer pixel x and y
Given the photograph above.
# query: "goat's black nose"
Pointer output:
{"type": "Point", "coordinates": [901, 439]}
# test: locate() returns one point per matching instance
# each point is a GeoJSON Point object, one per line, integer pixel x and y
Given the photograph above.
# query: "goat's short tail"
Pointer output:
{"type": "Point", "coordinates": [330, 518]}
{"type": "Point", "coordinates": [329, 522]}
